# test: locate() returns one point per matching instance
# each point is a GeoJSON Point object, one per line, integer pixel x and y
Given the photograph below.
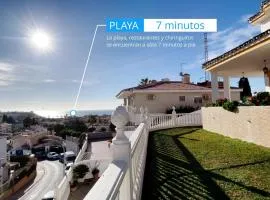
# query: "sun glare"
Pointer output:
{"type": "Point", "coordinates": [41, 40]}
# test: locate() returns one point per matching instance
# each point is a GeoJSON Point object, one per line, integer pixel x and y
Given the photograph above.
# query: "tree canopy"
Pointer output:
{"type": "Point", "coordinates": [244, 84]}
{"type": "Point", "coordinates": [145, 81]}
{"type": "Point", "coordinates": [8, 119]}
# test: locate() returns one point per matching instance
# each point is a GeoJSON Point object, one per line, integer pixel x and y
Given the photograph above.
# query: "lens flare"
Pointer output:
{"type": "Point", "coordinates": [41, 40]}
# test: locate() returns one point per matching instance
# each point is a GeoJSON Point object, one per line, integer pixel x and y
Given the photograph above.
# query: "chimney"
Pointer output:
{"type": "Point", "coordinates": [165, 79]}
{"type": "Point", "coordinates": [186, 78]}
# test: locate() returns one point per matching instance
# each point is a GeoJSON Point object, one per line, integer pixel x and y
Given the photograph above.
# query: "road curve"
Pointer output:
{"type": "Point", "coordinates": [49, 175]}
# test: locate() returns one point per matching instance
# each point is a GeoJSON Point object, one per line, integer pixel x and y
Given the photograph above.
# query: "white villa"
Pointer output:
{"type": "Point", "coordinates": [251, 58]}
{"type": "Point", "coordinates": [162, 95]}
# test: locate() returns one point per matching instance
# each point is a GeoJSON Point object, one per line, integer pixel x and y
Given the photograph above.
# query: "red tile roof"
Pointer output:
{"type": "Point", "coordinates": [173, 85]}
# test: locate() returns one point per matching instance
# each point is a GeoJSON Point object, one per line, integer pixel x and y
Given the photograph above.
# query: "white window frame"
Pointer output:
{"type": "Point", "coordinates": [198, 101]}
{"type": "Point", "coordinates": [182, 100]}
{"type": "Point", "coordinates": [150, 97]}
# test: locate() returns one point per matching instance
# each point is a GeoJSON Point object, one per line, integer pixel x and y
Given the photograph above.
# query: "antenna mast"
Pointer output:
{"type": "Point", "coordinates": [205, 52]}
{"type": "Point", "coordinates": [181, 69]}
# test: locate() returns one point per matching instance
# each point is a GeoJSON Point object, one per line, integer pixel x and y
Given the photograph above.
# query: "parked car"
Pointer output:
{"type": "Point", "coordinates": [52, 155]}
{"type": "Point", "coordinates": [49, 196]}
{"type": "Point", "coordinates": [40, 155]}
{"type": "Point", "coordinates": [61, 157]}
{"type": "Point", "coordinates": [69, 157]}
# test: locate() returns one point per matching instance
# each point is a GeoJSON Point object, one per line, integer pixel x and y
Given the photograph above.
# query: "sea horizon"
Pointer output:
{"type": "Point", "coordinates": [61, 114]}
{"type": "Point", "coordinates": [79, 113]}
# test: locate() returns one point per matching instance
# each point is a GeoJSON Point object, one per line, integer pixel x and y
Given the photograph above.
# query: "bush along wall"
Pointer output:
{"type": "Point", "coordinates": [182, 109]}
{"type": "Point", "coordinates": [231, 106]}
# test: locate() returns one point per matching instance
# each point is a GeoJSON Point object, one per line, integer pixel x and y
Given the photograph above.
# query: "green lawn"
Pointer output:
{"type": "Point", "coordinates": [191, 163]}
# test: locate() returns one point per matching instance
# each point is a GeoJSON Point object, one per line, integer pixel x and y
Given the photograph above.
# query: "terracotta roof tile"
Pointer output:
{"type": "Point", "coordinates": [172, 85]}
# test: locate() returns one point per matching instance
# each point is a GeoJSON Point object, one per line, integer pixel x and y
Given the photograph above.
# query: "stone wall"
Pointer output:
{"type": "Point", "coordinates": [24, 181]}
{"type": "Point", "coordinates": [250, 123]}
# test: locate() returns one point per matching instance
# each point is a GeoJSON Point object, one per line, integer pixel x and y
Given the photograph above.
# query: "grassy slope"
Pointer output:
{"type": "Point", "coordinates": [191, 163]}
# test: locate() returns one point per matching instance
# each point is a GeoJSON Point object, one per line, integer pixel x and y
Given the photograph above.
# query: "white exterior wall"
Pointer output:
{"type": "Point", "coordinates": [163, 101]}
{"type": "Point", "coordinates": [235, 96]}
{"type": "Point", "coordinates": [265, 26]}
{"type": "Point", "coordinates": [250, 123]}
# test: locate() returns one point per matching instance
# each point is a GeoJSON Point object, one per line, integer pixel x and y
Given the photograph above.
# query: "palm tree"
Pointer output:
{"type": "Point", "coordinates": [145, 81]}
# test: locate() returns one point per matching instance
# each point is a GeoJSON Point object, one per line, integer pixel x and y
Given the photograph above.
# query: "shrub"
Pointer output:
{"type": "Point", "coordinates": [80, 171]}
{"type": "Point", "coordinates": [95, 171]}
{"type": "Point", "coordinates": [91, 129]}
{"type": "Point", "coordinates": [23, 160]}
{"type": "Point", "coordinates": [112, 127]}
{"type": "Point", "coordinates": [181, 109]}
{"type": "Point", "coordinates": [230, 106]}
{"type": "Point", "coordinates": [261, 99]}
{"type": "Point", "coordinates": [103, 129]}
{"type": "Point", "coordinates": [226, 104]}
{"type": "Point", "coordinates": [220, 102]}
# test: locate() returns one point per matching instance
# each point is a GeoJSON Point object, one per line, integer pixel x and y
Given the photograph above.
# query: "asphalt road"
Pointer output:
{"type": "Point", "coordinates": [49, 175]}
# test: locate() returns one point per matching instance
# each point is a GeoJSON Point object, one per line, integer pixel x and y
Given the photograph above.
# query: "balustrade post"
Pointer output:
{"type": "Point", "coordinates": [146, 117]}
{"type": "Point", "coordinates": [121, 146]}
{"type": "Point", "coordinates": [142, 114]}
{"type": "Point", "coordinates": [174, 116]}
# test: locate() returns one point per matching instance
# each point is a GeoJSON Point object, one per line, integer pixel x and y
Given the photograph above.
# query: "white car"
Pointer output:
{"type": "Point", "coordinates": [68, 167]}
{"type": "Point", "coordinates": [49, 196]}
{"type": "Point", "coordinates": [69, 157]}
{"type": "Point", "coordinates": [52, 155]}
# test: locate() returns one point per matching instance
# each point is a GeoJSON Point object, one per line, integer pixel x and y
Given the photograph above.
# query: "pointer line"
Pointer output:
{"type": "Point", "coordinates": [86, 65]}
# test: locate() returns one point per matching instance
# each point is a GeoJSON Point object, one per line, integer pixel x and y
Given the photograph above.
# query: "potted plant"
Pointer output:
{"type": "Point", "coordinates": [79, 172]}
{"type": "Point", "coordinates": [95, 173]}
{"type": "Point", "coordinates": [73, 185]}
{"type": "Point", "coordinates": [95, 170]}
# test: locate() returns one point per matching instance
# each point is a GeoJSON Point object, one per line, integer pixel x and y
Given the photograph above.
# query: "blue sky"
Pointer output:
{"type": "Point", "coordinates": [34, 80]}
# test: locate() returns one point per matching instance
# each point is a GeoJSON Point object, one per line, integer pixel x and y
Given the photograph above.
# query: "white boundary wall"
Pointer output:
{"type": "Point", "coordinates": [250, 123]}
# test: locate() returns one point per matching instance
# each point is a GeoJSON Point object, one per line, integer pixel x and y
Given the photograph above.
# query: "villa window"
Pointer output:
{"type": "Point", "coordinates": [182, 98]}
{"type": "Point", "coordinates": [150, 97]}
{"type": "Point", "coordinates": [205, 97]}
{"type": "Point", "coordinates": [197, 100]}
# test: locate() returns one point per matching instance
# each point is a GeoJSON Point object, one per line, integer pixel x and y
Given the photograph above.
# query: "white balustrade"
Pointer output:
{"type": "Point", "coordinates": [123, 179]}
{"type": "Point", "coordinates": [164, 121]}
{"type": "Point", "coordinates": [63, 189]}
{"type": "Point", "coordinates": [81, 153]}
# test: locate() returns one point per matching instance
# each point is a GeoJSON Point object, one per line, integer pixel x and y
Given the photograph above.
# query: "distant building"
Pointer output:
{"type": "Point", "coordinates": [3, 160]}
{"type": "Point", "coordinates": [5, 128]}
{"type": "Point", "coordinates": [162, 95]}
{"type": "Point", "coordinates": [3, 150]}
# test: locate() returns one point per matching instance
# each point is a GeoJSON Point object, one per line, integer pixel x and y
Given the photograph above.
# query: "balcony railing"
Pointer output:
{"type": "Point", "coordinates": [163, 121]}
{"type": "Point", "coordinates": [123, 178]}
